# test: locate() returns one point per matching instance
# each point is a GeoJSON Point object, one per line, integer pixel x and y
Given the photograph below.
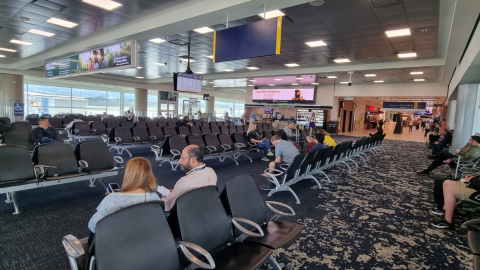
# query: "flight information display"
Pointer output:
{"type": "Point", "coordinates": [188, 82]}
{"type": "Point", "coordinates": [100, 59]}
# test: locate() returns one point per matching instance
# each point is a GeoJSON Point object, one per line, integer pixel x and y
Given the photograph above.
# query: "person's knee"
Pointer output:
{"type": "Point", "coordinates": [448, 183]}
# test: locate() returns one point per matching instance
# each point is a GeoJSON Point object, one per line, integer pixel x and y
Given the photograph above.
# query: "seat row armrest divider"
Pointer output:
{"type": "Point", "coordinates": [197, 263]}
{"type": "Point", "coordinates": [236, 220]}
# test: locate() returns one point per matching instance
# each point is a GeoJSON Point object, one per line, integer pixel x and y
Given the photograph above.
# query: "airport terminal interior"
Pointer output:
{"type": "Point", "coordinates": [239, 134]}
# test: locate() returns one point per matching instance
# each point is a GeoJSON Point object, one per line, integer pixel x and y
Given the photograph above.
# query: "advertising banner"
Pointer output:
{"type": "Point", "coordinates": [284, 95]}
{"type": "Point", "coordinates": [405, 105]}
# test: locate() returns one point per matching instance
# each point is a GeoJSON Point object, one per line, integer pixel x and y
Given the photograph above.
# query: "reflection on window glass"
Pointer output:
{"type": "Point", "coordinates": [152, 105]}
{"type": "Point", "coordinates": [89, 101]}
{"type": "Point", "coordinates": [128, 101]}
{"type": "Point", "coordinates": [113, 103]}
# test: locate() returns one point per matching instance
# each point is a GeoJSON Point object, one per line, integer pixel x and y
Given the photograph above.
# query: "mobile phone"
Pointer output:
{"type": "Point", "coordinates": [114, 187]}
{"type": "Point", "coordinates": [164, 191]}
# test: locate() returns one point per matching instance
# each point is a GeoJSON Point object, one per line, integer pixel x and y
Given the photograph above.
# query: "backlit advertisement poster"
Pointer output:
{"type": "Point", "coordinates": [104, 58]}
{"type": "Point", "coordinates": [306, 95]}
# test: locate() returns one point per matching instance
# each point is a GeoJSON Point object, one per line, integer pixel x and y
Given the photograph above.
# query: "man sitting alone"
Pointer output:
{"type": "Point", "coordinates": [441, 145]}
{"type": "Point", "coordinates": [468, 153]}
{"type": "Point", "coordinates": [289, 133]}
{"type": "Point", "coordinates": [198, 175]}
{"type": "Point", "coordinates": [44, 133]}
{"type": "Point", "coordinates": [285, 152]}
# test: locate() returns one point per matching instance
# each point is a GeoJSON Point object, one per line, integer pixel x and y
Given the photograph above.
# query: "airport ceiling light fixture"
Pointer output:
{"type": "Point", "coordinates": [331, 77]}
{"type": "Point", "coordinates": [160, 64]}
{"type": "Point", "coordinates": [186, 60]}
{"type": "Point", "coordinates": [158, 76]}
{"type": "Point", "coordinates": [61, 22]}
{"type": "Point", "coordinates": [20, 42]}
{"type": "Point", "coordinates": [317, 43]}
{"type": "Point", "coordinates": [398, 33]}
{"type": "Point", "coordinates": [157, 40]}
{"type": "Point", "coordinates": [416, 73]}
{"type": "Point", "coordinates": [40, 32]}
{"type": "Point", "coordinates": [7, 50]}
{"type": "Point", "coordinates": [228, 70]}
{"type": "Point", "coordinates": [1, 55]}
{"type": "Point", "coordinates": [271, 84]}
{"type": "Point", "coordinates": [203, 30]}
{"type": "Point", "coordinates": [342, 60]}
{"type": "Point", "coordinates": [250, 85]}
{"type": "Point", "coordinates": [294, 83]}
{"type": "Point", "coordinates": [271, 14]}
{"type": "Point", "coordinates": [104, 4]}
{"type": "Point", "coordinates": [378, 81]}
{"type": "Point", "coordinates": [210, 56]}
{"type": "Point", "coordinates": [344, 82]}
{"type": "Point", "coordinates": [252, 68]}
{"type": "Point", "coordinates": [409, 54]}
{"type": "Point", "coordinates": [277, 79]}
{"type": "Point", "coordinates": [314, 83]}
{"type": "Point", "coordinates": [201, 73]}
{"type": "Point", "coordinates": [298, 78]}
{"type": "Point", "coordinates": [292, 65]}
{"type": "Point", "coordinates": [214, 86]}
{"type": "Point", "coordinates": [139, 67]}
{"type": "Point", "coordinates": [139, 77]}
{"type": "Point", "coordinates": [370, 75]}
{"type": "Point", "coordinates": [419, 80]}
{"type": "Point", "coordinates": [252, 80]}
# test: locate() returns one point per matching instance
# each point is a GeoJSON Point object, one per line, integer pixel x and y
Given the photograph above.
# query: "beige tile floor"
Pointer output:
{"type": "Point", "coordinates": [415, 135]}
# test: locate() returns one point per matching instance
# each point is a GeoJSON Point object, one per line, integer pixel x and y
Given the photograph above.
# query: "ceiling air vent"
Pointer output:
{"type": "Point", "coordinates": [178, 42]}
{"type": "Point", "coordinates": [50, 4]}
{"type": "Point", "coordinates": [317, 3]}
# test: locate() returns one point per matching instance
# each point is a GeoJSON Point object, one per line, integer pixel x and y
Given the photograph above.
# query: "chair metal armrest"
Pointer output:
{"type": "Point", "coordinates": [278, 212]}
{"type": "Point", "coordinates": [252, 144]}
{"type": "Point", "coordinates": [153, 138]}
{"type": "Point", "coordinates": [72, 246]}
{"type": "Point", "coordinates": [239, 145]}
{"type": "Point", "coordinates": [236, 220]}
{"type": "Point", "coordinates": [136, 138]}
{"type": "Point", "coordinates": [284, 166]}
{"type": "Point", "coordinates": [83, 164]}
{"type": "Point", "coordinates": [118, 159]}
{"type": "Point", "coordinates": [275, 170]}
{"type": "Point", "coordinates": [471, 222]}
{"type": "Point", "coordinates": [226, 147]}
{"type": "Point", "coordinates": [157, 150]}
{"type": "Point", "coordinates": [211, 149]}
{"type": "Point", "coordinates": [184, 246]}
{"type": "Point", "coordinates": [94, 130]}
{"type": "Point", "coordinates": [39, 171]}
{"type": "Point", "coordinates": [118, 139]}
{"type": "Point", "coordinates": [76, 131]}
{"type": "Point", "coordinates": [175, 153]}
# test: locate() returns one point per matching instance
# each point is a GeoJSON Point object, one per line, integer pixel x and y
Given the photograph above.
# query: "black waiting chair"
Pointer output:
{"type": "Point", "coordinates": [99, 128]}
{"type": "Point", "coordinates": [176, 146]}
{"type": "Point", "coordinates": [140, 124]}
{"type": "Point", "coordinates": [57, 161]}
{"type": "Point", "coordinates": [126, 124]}
{"type": "Point", "coordinates": [57, 123]}
{"type": "Point", "coordinates": [7, 120]}
{"type": "Point", "coordinates": [22, 126]}
{"type": "Point", "coordinates": [242, 199]}
{"type": "Point", "coordinates": [18, 137]}
{"type": "Point", "coordinates": [215, 130]}
{"type": "Point", "coordinates": [97, 156]}
{"type": "Point", "coordinates": [195, 130]}
{"type": "Point", "coordinates": [184, 131]}
{"type": "Point", "coordinates": [151, 124]}
{"type": "Point", "coordinates": [169, 131]}
{"type": "Point", "coordinates": [205, 130]}
{"type": "Point", "coordinates": [156, 134]}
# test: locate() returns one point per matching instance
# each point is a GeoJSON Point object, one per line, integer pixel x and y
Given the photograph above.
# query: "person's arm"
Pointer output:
{"type": "Point", "coordinates": [278, 159]}
{"type": "Point", "coordinates": [34, 137]}
{"type": "Point", "coordinates": [51, 132]}
{"type": "Point", "coordinates": [179, 189]}
{"type": "Point", "coordinates": [470, 155]}
{"type": "Point", "coordinates": [309, 146]}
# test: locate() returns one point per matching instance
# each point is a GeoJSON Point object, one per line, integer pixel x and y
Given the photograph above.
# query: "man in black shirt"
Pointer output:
{"type": "Point", "coordinates": [441, 145]}
{"type": "Point", "coordinates": [44, 133]}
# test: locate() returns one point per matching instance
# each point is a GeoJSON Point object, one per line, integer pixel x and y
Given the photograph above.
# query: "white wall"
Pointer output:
{"type": "Point", "coordinates": [419, 89]}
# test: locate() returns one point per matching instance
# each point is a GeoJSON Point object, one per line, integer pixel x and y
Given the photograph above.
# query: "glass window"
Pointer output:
{"type": "Point", "coordinates": [113, 103]}
{"type": "Point", "coordinates": [52, 100]}
{"type": "Point", "coordinates": [128, 101]}
{"type": "Point", "coordinates": [89, 101]}
{"type": "Point", "coordinates": [152, 105]}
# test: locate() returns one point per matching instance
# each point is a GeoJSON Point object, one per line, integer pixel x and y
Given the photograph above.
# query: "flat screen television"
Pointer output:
{"type": "Point", "coordinates": [185, 82]}
{"type": "Point", "coordinates": [268, 110]}
{"type": "Point", "coordinates": [306, 95]}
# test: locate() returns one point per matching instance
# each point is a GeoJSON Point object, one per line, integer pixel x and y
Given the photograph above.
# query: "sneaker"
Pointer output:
{"type": "Point", "coordinates": [437, 212]}
{"type": "Point", "coordinates": [265, 159]}
{"type": "Point", "coordinates": [424, 172]}
{"type": "Point", "coordinates": [443, 224]}
{"type": "Point", "coordinates": [268, 186]}
{"type": "Point", "coordinates": [270, 154]}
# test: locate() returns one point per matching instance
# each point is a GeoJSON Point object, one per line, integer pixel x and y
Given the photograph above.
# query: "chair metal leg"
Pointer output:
{"type": "Point", "coordinates": [126, 150]}
{"type": "Point", "coordinates": [347, 165]}
{"type": "Point", "coordinates": [15, 204]}
{"type": "Point", "coordinates": [9, 198]}
{"type": "Point", "coordinates": [294, 195]}
{"type": "Point", "coordinates": [316, 181]}
{"type": "Point", "coordinates": [383, 149]}
{"type": "Point", "coordinates": [328, 178]}
{"type": "Point", "coordinates": [273, 263]}
{"type": "Point", "coordinates": [92, 182]}
{"type": "Point", "coordinates": [353, 162]}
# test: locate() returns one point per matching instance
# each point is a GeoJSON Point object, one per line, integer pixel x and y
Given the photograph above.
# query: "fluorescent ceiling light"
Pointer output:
{"type": "Point", "coordinates": [292, 65]}
{"type": "Point", "coordinates": [211, 82]}
{"type": "Point", "coordinates": [203, 30]}
{"type": "Point", "coordinates": [250, 85]}
{"type": "Point", "coordinates": [61, 22]}
{"type": "Point", "coordinates": [7, 50]}
{"type": "Point", "coordinates": [271, 84]}
{"type": "Point", "coordinates": [343, 60]}
{"type": "Point", "coordinates": [294, 83]}
{"type": "Point", "coordinates": [331, 77]}
{"type": "Point", "coordinates": [139, 67]}
{"type": "Point", "coordinates": [298, 78]}
{"type": "Point", "coordinates": [228, 70]}
{"type": "Point", "coordinates": [214, 86]}
{"type": "Point", "coordinates": [200, 73]}
{"type": "Point", "coordinates": [252, 68]}
{"type": "Point", "coordinates": [210, 56]}
{"type": "Point", "coordinates": [157, 40]}
{"type": "Point", "coordinates": [378, 81]}
{"type": "Point", "coordinates": [317, 43]}
{"type": "Point", "coordinates": [277, 79]}
{"type": "Point", "coordinates": [343, 82]}
{"type": "Point", "coordinates": [186, 60]}
{"type": "Point", "coordinates": [398, 33]}
{"type": "Point", "coordinates": [105, 4]}
{"type": "Point", "coordinates": [160, 64]}
{"type": "Point", "coordinates": [21, 42]}
{"type": "Point", "coordinates": [407, 55]}
{"type": "Point", "coordinates": [416, 73]}
{"type": "Point", "coordinates": [251, 80]}
{"type": "Point", "coordinates": [158, 76]}
{"type": "Point", "coordinates": [40, 32]}
{"type": "Point", "coordinates": [271, 14]}
{"type": "Point", "coordinates": [419, 80]}
{"type": "Point", "coordinates": [314, 83]}
{"type": "Point", "coordinates": [1, 55]}
{"type": "Point", "coordinates": [370, 75]}
{"type": "Point", "coordinates": [139, 77]}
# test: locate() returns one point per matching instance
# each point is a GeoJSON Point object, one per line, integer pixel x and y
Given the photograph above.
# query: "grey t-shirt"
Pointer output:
{"type": "Point", "coordinates": [286, 150]}
{"type": "Point", "coordinates": [288, 131]}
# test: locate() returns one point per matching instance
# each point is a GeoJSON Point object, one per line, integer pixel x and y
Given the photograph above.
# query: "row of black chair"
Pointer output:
{"type": "Point", "coordinates": [123, 138]}
{"type": "Point", "coordinates": [54, 164]}
{"type": "Point", "coordinates": [232, 232]}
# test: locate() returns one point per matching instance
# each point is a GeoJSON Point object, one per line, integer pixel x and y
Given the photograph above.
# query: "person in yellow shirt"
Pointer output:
{"type": "Point", "coordinates": [328, 139]}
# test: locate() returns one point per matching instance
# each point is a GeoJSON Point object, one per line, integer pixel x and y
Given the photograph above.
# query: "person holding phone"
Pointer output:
{"type": "Point", "coordinates": [262, 143]}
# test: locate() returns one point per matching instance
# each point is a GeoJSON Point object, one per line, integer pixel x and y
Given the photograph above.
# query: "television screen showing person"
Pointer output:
{"type": "Point", "coordinates": [298, 95]}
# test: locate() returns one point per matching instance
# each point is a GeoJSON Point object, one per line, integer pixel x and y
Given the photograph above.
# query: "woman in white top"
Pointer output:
{"type": "Point", "coordinates": [427, 128]}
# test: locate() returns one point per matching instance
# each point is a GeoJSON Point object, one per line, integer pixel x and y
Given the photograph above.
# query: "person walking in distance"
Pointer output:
{"type": "Point", "coordinates": [427, 128]}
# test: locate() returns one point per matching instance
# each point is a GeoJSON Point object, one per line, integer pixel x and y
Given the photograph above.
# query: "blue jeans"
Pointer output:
{"type": "Point", "coordinates": [265, 145]}
{"type": "Point", "coordinates": [300, 137]}
{"type": "Point", "coordinates": [48, 140]}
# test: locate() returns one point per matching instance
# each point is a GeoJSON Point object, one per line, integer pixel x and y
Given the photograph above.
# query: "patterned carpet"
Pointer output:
{"type": "Point", "coordinates": [373, 217]}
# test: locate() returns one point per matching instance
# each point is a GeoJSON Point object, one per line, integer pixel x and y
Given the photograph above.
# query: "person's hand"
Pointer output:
{"type": "Point", "coordinates": [436, 142]}
{"type": "Point", "coordinates": [448, 161]}
{"type": "Point", "coordinates": [468, 177]}
{"type": "Point", "coordinates": [308, 139]}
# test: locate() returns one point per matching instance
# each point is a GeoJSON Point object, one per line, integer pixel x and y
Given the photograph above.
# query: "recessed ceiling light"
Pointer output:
{"type": "Point", "coordinates": [271, 84]}
{"type": "Point", "coordinates": [378, 81]}
{"type": "Point", "coordinates": [271, 14]}
{"type": "Point", "coordinates": [250, 85]}
{"type": "Point", "coordinates": [104, 72]}
{"type": "Point", "coordinates": [214, 86]}
{"type": "Point", "coordinates": [139, 67]}
{"type": "Point", "coordinates": [228, 70]}
{"type": "Point", "coordinates": [419, 80]}
{"type": "Point", "coordinates": [314, 83]}
{"type": "Point", "coordinates": [398, 33]}
{"type": "Point", "coordinates": [331, 77]}
{"type": "Point", "coordinates": [294, 83]}
{"type": "Point", "coordinates": [342, 60]}
{"type": "Point", "coordinates": [40, 32]}
{"type": "Point", "coordinates": [61, 22]}
{"type": "Point", "coordinates": [277, 79]}
{"type": "Point", "coordinates": [252, 68]}
{"type": "Point", "coordinates": [317, 43]}
{"type": "Point", "coordinates": [203, 30]}
{"type": "Point", "coordinates": [160, 64]}
{"type": "Point", "coordinates": [252, 80]}
{"type": "Point", "coordinates": [21, 42]}
{"type": "Point", "coordinates": [120, 70]}
{"type": "Point", "coordinates": [200, 73]}
{"type": "Point", "coordinates": [7, 50]}
{"type": "Point", "coordinates": [343, 82]}
{"type": "Point", "coordinates": [105, 4]}
{"type": "Point", "coordinates": [298, 78]}
{"type": "Point", "coordinates": [210, 56]}
{"type": "Point", "coordinates": [211, 82]}
{"type": "Point", "coordinates": [140, 77]}
{"type": "Point", "coordinates": [416, 73]}
{"type": "Point", "coordinates": [370, 75]}
{"type": "Point", "coordinates": [157, 40]}
{"type": "Point", "coordinates": [1, 55]}
{"type": "Point", "coordinates": [292, 65]}
{"type": "Point", "coordinates": [186, 60]}
{"type": "Point", "coordinates": [407, 55]}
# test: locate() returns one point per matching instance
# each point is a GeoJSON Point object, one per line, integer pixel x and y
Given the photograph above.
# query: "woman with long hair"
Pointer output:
{"type": "Point", "coordinates": [262, 143]}
{"type": "Point", "coordinates": [328, 140]}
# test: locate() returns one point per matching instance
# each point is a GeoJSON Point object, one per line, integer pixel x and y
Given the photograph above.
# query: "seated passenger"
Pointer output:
{"type": "Point", "coordinates": [285, 152]}
{"type": "Point", "coordinates": [44, 133]}
{"type": "Point", "coordinates": [379, 132]}
{"type": "Point", "coordinates": [454, 191]}
{"type": "Point", "coordinates": [441, 145]}
{"type": "Point", "coordinates": [328, 139]}
{"type": "Point", "coordinates": [468, 153]}
{"type": "Point", "coordinates": [198, 175]}
{"type": "Point", "coordinates": [185, 122]}
{"type": "Point", "coordinates": [139, 186]}
{"type": "Point", "coordinates": [75, 119]}
{"type": "Point", "coordinates": [289, 133]}
{"type": "Point", "coordinates": [262, 143]}
{"type": "Point", "coordinates": [315, 144]}
{"type": "Point", "coordinates": [104, 116]}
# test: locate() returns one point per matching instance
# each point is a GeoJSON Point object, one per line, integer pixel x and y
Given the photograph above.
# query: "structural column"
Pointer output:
{"type": "Point", "coordinates": [11, 88]}
{"type": "Point", "coordinates": [210, 105]}
{"type": "Point", "coordinates": [465, 114]}
{"type": "Point", "coordinates": [141, 102]}
{"type": "Point", "coordinates": [452, 108]}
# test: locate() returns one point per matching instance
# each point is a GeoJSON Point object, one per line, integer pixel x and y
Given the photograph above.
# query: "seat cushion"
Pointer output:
{"type": "Point", "coordinates": [241, 256]}
{"type": "Point", "coordinates": [473, 239]}
{"type": "Point", "coordinates": [277, 234]}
